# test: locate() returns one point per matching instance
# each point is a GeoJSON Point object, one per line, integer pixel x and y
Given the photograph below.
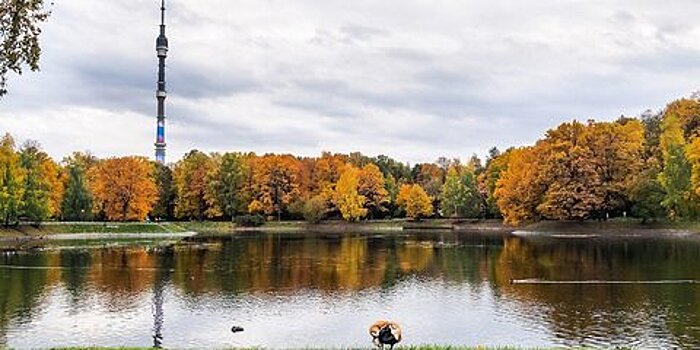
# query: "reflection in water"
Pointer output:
{"type": "Point", "coordinates": [451, 288]}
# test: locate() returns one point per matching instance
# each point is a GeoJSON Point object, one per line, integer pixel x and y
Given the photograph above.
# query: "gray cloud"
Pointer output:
{"type": "Point", "coordinates": [414, 81]}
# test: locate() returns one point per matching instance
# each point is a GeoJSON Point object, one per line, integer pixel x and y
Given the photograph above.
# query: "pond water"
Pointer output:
{"type": "Point", "coordinates": [315, 290]}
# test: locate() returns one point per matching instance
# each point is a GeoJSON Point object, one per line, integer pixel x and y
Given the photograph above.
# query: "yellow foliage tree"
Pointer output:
{"type": "Point", "coordinates": [346, 196]}
{"type": "Point", "coordinates": [191, 177]}
{"type": "Point", "coordinates": [415, 201]}
{"type": "Point", "coordinates": [693, 153]}
{"type": "Point", "coordinates": [11, 180]}
{"type": "Point", "coordinates": [55, 178]}
{"type": "Point", "coordinates": [326, 172]}
{"type": "Point", "coordinates": [371, 186]}
{"type": "Point", "coordinates": [124, 188]}
{"type": "Point", "coordinates": [687, 110]}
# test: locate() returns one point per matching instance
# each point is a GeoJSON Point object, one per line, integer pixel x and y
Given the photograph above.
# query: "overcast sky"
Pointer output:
{"type": "Point", "coordinates": [411, 79]}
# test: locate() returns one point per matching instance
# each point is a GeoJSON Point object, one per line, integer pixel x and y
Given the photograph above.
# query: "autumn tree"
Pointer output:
{"type": "Point", "coordinates": [19, 36]}
{"type": "Point", "coordinates": [347, 198]}
{"type": "Point", "coordinates": [11, 179]}
{"type": "Point", "coordinates": [194, 197]}
{"type": "Point", "coordinates": [687, 113]}
{"type": "Point", "coordinates": [124, 188]}
{"type": "Point", "coordinates": [415, 201]}
{"type": "Point", "coordinates": [573, 185]}
{"type": "Point", "coordinates": [519, 188]}
{"type": "Point", "coordinates": [326, 172]}
{"type": "Point", "coordinates": [276, 183]}
{"type": "Point", "coordinates": [460, 196]}
{"type": "Point", "coordinates": [371, 185]}
{"type": "Point", "coordinates": [616, 151]}
{"type": "Point", "coordinates": [430, 177]}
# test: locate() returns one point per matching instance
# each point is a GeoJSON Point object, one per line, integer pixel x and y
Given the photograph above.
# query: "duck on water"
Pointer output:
{"type": "Point", "coordinates": [385, 333]}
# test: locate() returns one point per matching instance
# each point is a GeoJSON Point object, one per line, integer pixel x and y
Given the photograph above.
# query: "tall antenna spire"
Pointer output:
{"type": "Point", "coordinates": [162, 52]}
{"type": "Point", "coordinates": [162, 13]}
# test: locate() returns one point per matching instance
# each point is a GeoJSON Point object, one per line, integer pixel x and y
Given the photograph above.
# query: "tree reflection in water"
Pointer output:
{"type": "Point", "coordinates": [341, 265]}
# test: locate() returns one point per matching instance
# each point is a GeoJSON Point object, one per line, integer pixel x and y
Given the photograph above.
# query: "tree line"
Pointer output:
{"type": "Point", "coordinates": [646, 167]}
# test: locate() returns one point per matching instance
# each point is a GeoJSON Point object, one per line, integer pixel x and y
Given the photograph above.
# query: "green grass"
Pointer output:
{"type": "Point", "coordinates": [70, 228]}
{"type": "Point", "coordinates": [420, 347]}
{"type": "Point", "coordinates": [204, 226]}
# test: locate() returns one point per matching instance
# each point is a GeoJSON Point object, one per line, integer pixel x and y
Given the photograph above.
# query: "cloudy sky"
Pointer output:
{"type": "Point", "coordinates": [414, 79]}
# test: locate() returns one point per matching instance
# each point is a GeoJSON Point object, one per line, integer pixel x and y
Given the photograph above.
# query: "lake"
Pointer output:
{"type": "Point", "coordinates": [324, 290]}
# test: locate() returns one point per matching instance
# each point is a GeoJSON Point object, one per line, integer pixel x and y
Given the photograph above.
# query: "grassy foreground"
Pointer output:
{"type": "Point", "coordinates": [421, 347]}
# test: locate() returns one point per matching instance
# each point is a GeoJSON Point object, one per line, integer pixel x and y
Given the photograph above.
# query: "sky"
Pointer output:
{"type": "Point", "coordinates": [412, 79]}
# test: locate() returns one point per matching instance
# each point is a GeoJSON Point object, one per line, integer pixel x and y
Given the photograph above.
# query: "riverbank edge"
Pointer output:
{"type": "Point", "coordinates": [104, 230]}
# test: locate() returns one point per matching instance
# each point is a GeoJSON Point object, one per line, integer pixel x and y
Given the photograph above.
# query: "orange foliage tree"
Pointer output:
{"type": "Point", "coordinates": [275, 183]}
{"type": "Point", "coordinates": [124, 188]}
{"type": "Point", "coordinates": [371, 186]}
{"type": "Point", "coordinates": [325, 174]}
{"type": "Point", "coordinates": [517, 191]}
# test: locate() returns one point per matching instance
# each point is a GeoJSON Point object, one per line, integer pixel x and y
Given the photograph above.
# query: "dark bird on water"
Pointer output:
{"type": "Point", "coordinates": [236, 329]}
{"type": "Point", "coordinates": [385, 333]}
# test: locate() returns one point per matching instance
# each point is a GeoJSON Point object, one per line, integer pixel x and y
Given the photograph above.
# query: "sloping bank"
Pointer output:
{"type": "Point", "coordinates": [92, 230]}
{"type": "Point", "coordinates": [611, 228]}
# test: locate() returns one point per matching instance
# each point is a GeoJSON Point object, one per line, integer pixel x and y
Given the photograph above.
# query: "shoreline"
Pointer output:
{"type": "Point", "coordinates": [558, 229]}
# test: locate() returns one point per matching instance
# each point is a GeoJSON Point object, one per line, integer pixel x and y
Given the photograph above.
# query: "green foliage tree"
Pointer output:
{"type": "Point", "coordinates": [693, 153]}
{"type": "Point", "coordinates": [647, 194]}
{"type": "Point", "coordinates": [37, 183]}
{"type": "Point", "coordinates": [460, 196]}
{"type": "Point", "coordinates": [675, 176]}
{"type": "Point", "coordinates": [230, 184]}
{"type": "Point", "coordinates": [315, 209]}
{"type": "Point", "coordinates": [495, 164]}
{"type": "Point", "coordinates": [19, 36]}
{"type": "Point", "coordinates": [77, 199]}
{"type": "Point", "coordinates": [11, 180]}
{"type": "Point", "coordinates": [164, 207]}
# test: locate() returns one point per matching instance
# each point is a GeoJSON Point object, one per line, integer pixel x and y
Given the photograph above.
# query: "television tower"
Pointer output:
{"type": "Point", "coordinates": [162, 50]}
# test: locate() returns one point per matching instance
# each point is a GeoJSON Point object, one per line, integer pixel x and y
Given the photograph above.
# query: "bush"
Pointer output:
{"type": "Point", "coordinates": [315, 209]}
{"type": "Point", "coordinates": [254, 220]}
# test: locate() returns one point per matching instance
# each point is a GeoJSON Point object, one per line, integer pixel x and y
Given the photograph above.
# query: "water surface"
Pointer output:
{"type": "Point", "coordinates": [325, 289]}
